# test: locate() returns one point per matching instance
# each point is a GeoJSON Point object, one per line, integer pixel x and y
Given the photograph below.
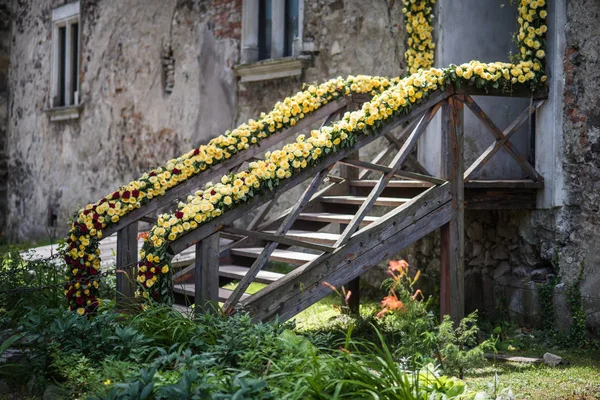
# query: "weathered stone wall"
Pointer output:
{"type": "Point", "coordinates": [5, 22]}
{"type": "Point", "coordinates": [128, 123]}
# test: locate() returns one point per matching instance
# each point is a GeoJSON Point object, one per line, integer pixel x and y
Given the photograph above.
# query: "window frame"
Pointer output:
{"type": "Point", "coordinates": [65, 17]}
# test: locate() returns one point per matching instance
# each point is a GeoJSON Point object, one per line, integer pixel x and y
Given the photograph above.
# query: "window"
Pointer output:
{"type": "Point", "coordinates": [271, 29]}
{"type": "Point", "coordinates": [65, 56]}
{"type": "Point", "coordinates": [272, 34]}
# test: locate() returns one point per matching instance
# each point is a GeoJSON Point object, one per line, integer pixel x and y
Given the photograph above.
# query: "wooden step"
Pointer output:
{"type": "Point", "coordinates": [238, 272]}
{"type": "Point", "coordinates": [358, 200]}
{"type": "Point", "coordinates": [335, 218]}
{"type": "Point", "coordinates": [188, 290]}
{"type": "Point", "coordinates": [290, 257]}
{"type": "Point", "coordinates": [312, 237]}
{"type": "Point", "coordinates": [391, 184]}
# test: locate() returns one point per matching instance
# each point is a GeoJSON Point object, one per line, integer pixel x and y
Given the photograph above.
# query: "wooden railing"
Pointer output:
{"type": "Point", "coordinates": [127, 227]}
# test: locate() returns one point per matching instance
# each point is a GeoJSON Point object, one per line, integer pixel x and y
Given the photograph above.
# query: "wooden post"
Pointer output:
{"type": "Point", "coordinates": [452, 234]}
{"type": "Point", "coordinates": [351, 173]}
{"type": "Point", "coordinates": [206, 288]}
{"type": "Point", "coordinates": [127, 256]}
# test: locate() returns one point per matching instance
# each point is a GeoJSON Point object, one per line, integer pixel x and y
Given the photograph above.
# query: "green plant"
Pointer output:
{"type": "Point", "coordinates": [578, 328]}
{"type": "Point", "coordinates": [457, 348]}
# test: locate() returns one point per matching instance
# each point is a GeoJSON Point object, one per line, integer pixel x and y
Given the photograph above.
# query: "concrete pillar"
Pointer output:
{"type": "Point", "coordinates": [250, 9]}
{"type": "Point", "coordinates": [278, 29]}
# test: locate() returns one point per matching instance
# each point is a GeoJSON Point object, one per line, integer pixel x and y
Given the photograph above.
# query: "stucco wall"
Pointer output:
{"type": "Point", "coordinates": [128, 123]}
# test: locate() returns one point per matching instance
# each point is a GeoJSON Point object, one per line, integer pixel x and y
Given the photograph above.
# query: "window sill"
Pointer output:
{"type": "Point", "coordinates": [64, 113]}
{"type": "Point", "coordinates": [273, 69]}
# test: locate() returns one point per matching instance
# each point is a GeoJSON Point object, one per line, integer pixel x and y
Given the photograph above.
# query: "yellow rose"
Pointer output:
{"type": "Point", "coordinates": [81, 311]}
{"type": "Point", "coordinates": [164, 269]}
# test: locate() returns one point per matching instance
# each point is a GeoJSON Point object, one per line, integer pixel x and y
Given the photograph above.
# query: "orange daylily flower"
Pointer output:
{"type": "Point", "coordinates": [398, 265]}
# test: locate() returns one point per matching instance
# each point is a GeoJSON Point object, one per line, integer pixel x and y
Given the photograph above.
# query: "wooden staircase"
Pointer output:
{"type": "Point", "coordinates": [348, 221]}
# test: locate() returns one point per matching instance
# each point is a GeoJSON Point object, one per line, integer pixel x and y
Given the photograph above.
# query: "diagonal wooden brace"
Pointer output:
{"type": "Point", "coordinates": [262, 259]}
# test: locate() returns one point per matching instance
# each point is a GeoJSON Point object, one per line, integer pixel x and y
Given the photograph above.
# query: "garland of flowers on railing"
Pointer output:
{"type": "Point", "coordinates": [418, 18]}
{"type": "Point", "coordinates": [83, 257]}
{"type": "Point", "coordinates": [154, 274]}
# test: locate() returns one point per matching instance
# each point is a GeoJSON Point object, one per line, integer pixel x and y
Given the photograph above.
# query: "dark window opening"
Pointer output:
{"type": "Point", "coordinates": [291, 26]}
{"type": "Point", "coordinates": [264, 29]}
{"type": "Point", "coordinates": [74, 63]}
{"type": "Point", "coordinates": [62, 63]}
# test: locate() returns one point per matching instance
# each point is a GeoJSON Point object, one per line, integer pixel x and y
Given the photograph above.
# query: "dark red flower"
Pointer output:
{"type": "Point", "coordinates": [79, 300]}
{"type": "Point", "coordinates": [98, 225]}
{"type": "Point", "coordinates": [93, 271]}
{"type": "Point", "coordinates": [212, 192]}
{"type": "Point", "coordinates": [86, 212]}
{"type": "Point", "coordinates": [95, 217]}
{"type": "Point", "coordinates": [149, 275]}
{"type": "Point", "coordinates": [179, 214]}
{"type": "Point", "coordinates": [115, 195]}
{"type": "Point", "coordinates": [176, 171]}
{"type": "Point", "coordinates": [126, 194]}
{"type": "Point", "coordinates": [111, 205]}
{"type": "Point", "coordinates": [196, 152]}
{"type": "Point", "coordinates": [83, 228]}
{"type": "Point", "coordinates": [135, 193]}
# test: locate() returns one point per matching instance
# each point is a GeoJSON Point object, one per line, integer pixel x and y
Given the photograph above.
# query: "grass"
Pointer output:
{"type": "Point", "coordinates": [580, 379]}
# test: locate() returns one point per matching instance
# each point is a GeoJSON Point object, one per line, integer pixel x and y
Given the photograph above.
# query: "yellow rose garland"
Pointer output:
{"type": "Point", "coordinates": [418, 17]}
{"type": "Point", "coordinates": [264, 175]}
{"type": "Point", "coordinates": [83, 255]}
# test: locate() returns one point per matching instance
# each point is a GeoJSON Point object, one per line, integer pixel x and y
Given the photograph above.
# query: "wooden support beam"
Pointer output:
{"type": "Point", "coordinates": [263, 258]}
{"type": "Point", "coordinates": [394, 166]}
{"type": "Point", "coordinates": [279, 239]}
{"type": "Point", "coordinates": [502, 140]}
{"type": "Point", "coordinates": [452, 235]}
{"type": "Point", "coordinates": [399, 173]}
{"type": "Point", "coordinates": [390, 234]}
{"type": "Point", "coordinates": [127, 256]}
{"type": "Point", "coordinates": [206, 289]}
{"type": "Point", "coordinates": [527, 168]}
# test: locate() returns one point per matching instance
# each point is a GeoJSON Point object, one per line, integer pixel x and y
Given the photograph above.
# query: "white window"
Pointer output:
{"type": "Point", "coordinates": [271, 29]}
{"type": "Point", "coordinates": [65, 56]}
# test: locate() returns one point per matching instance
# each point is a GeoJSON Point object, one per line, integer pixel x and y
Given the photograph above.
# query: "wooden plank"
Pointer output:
{"type": "Point", "coordinates": [312, 237]}
{"type": "Point", "coordinates": [358, 200]}
{"type": "Point", "coordinates": [206, 293]}
{"type": "Point", "coordinates": [227, 218]}
{"type": "Point", "coordinates": [303, 286]}
{"type": "Point", "coordinates": [452, 235]}
{"type": "Point", "coordinates": [516, 90]}
{"type": "Point", "coordinates": [504, 184]}
{"type": "Point", "coordinates": [399, 173]}
{"type": "Point", "coordinates": [216, 171]}
{"type": "Point", "coordinates": [334, 218]}
{"type": "Point", "coordinates": [270, 247]}
{"type": "Point", "coordinates": [497, 133]}
{"type": "Point", "coordinates": [392, 184]}
{"type": "Point", "coordinates": [394, 166]}
{"type": "Point", "coordinates": [287, 256]}
{"type": "Point", "coordinates": [271, 237]}
{"type": "Point", "coordinates": [148, 219]}
{"type": "Point", "coordinates": [500, 199]}
{"type": "Point", "coordinates": [238, 272]}
{"type": "Point", "coordinates": [411, 161]}
{"type": "Point", "coordinates": [188, 289]}
{"type": "Point", "coordinates": [500, 143]}
{"type": "Point", "coordinates": [127, 256]}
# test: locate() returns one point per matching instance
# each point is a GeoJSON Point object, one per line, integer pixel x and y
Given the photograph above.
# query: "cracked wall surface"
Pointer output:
{"type": "Point", "coordinates": [128, 123]}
